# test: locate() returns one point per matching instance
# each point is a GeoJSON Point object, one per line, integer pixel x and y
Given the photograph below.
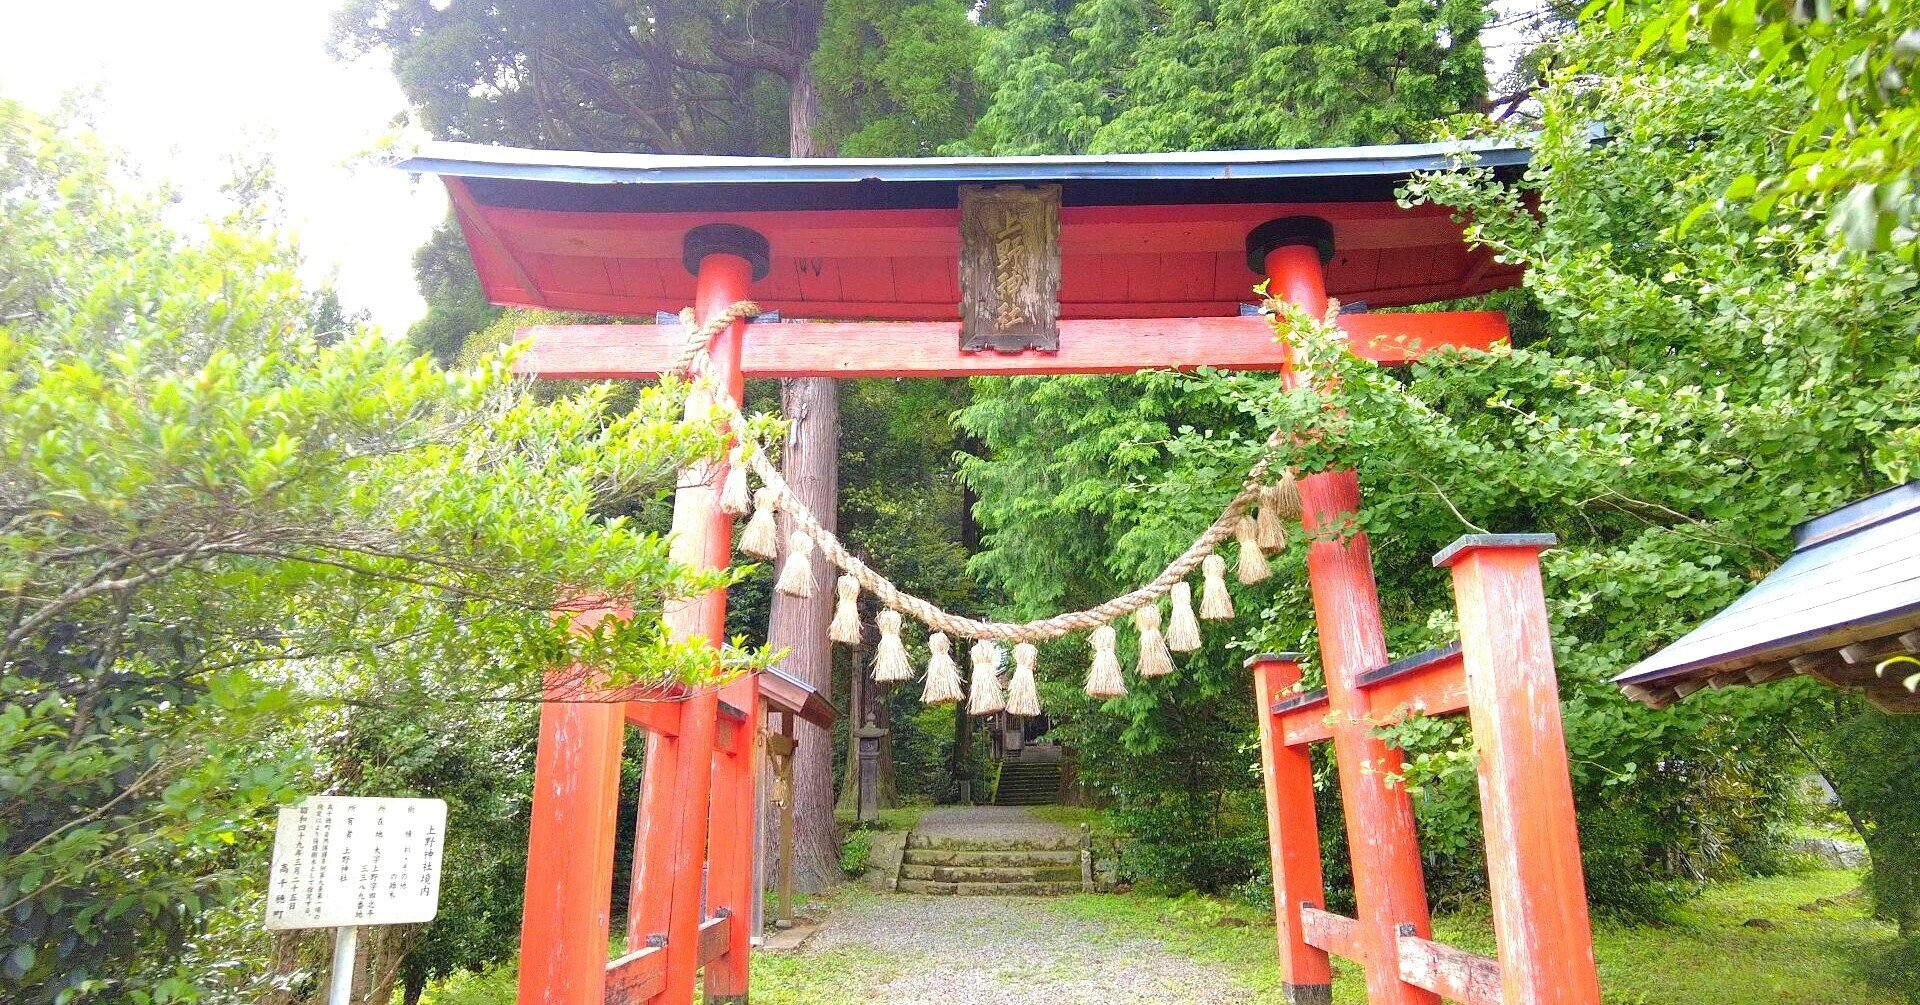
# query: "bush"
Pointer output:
{"type": "Point", "coordinates": [855, 852]}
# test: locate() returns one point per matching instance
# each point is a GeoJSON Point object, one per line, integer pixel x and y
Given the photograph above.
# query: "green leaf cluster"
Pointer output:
{"type": "Point", "coordinates": [221, 522]}
{"type": "Point", "coordinates": [1681, 398]}
{"type": "Point", "coordinates": [1856, 150]}
{"type": "Point", "coordinates": [1112, 76]}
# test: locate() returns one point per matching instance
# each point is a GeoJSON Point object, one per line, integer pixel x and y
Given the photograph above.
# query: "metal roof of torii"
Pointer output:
{"type": "Point", "coordinates": [1142, 235]}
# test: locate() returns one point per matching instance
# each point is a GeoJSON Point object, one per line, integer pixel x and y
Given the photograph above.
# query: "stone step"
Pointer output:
{"type": "Point", "coordinates": [987, 889]}
{"type": "Point", "coordinates": [992, 874]}
{"type": "Point", "coordinates": [992, 859]}
{"type": "Point", "coordinates": [1065, 842]}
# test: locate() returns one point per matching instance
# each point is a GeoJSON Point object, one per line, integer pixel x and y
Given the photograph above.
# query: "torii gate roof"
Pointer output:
{"type": "Point", "coordinates": [1141, 235]}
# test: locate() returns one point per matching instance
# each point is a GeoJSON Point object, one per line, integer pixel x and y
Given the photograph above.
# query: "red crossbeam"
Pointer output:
{"type": "Point", "coordinates": [638, 976]}
{"type": "Point", "coordinates": [1303, 719]}
{"type": "Point", "coordinates": [848, 349]}
{"type": "Point", "coordinates": [1335, 933]}
{"type": "Point", "coordinates": [1433, 683]}
{"type": "Point", "coordinates": [1453, 974]}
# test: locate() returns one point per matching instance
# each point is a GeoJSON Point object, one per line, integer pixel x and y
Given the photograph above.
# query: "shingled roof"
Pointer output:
{"type": "Point", "coordinates": [1847, 599]}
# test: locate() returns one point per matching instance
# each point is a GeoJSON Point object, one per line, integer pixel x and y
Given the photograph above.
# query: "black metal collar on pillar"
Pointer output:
{"type": "Point", "coordinates": [726, 239]}
{"type": "Point", "coordinates": [1308, 230]}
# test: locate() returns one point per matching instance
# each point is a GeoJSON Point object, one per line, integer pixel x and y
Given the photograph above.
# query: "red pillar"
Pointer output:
{"type": "Point", "coordinates": [730, 841]}
{"type": "Point", "coordinates": [1389, 887]}
{"type": "Point", "coordinates": [576, 795]}
{"type": "Point", "coordinates": [1293, 835]}
{"type": "Point", "coordinates": [1526, 799]}
{"type": "Point", "coordinates": [702, 537]}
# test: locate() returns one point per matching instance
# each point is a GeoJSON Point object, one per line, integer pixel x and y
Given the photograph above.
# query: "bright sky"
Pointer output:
{"type": "Point", "coordinates": [183, 85]}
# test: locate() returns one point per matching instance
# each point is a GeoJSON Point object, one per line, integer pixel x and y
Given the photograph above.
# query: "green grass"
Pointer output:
{"type": "Point", "coordinates": [1707, 955]}
{"type": "Point", "coordinates": [899, 818]}
{"type": "Point", "coordinates": [1069, 816]}
{"type": "Point", "coordinates": [841, 977]}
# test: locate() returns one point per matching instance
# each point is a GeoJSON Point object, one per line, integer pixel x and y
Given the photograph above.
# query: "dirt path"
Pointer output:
{"type": "Point", "coordinates": [916, 950]}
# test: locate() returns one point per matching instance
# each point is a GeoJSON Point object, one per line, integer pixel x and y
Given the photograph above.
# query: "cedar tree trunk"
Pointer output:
{"type": "Point", "coordinates": [799, 625]}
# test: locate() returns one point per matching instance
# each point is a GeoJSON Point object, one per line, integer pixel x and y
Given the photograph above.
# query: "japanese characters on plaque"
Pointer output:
{"type": "Point", "coordinates": [349, 860]}
{"type": "Point", "coordinates": [1009, 267]}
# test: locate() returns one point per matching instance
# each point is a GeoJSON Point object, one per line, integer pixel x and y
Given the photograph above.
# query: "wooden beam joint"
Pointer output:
{"type": "Point", "coordinates": [1453, 974]}
{"type": "Point", "coordinates": [1334, 933]}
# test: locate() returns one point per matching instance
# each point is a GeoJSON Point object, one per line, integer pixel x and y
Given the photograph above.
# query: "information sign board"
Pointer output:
{"type": "Point", "coordinates": [349, 860]}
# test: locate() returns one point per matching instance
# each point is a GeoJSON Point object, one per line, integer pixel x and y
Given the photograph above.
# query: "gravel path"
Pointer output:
{"type": "Point", "coordinates": [1013, 951]}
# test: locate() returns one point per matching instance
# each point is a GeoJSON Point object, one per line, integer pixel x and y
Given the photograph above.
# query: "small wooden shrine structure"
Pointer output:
{"type": "Point", "coordinates": [1844, 603]}
{"type": "Point", "coordinates": [1035, 265]}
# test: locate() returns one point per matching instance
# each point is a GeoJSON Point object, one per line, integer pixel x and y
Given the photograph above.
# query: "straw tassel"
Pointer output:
{"type": "Point", "coordinates": [1279, 503]}
{"type": "Point", "coordinates": [890, 663]}
{"type": "Point", "coordinates": [796, 575]}
{"type": "Point", "coordinates": [1103, 678]}
{"type": "Point", "coordinates": [1155, 660]}
{"type": "Point", "coordinates": [985, 697]}
{"type": "Point", "coordinates": [734, 499]}
{"type": "Point", "coordinates": [1252, 567]}
{"type": "Point", "coordinates": [762, 537]}
{"type": "Point", "coordinates": [1183, 632]}
{"type": "Point", "coordinates": [846, 613]}
{"type": "Point", "coordinates": [943, 675]}
{"type": "Point", "coordinates": [1216, 604]}
{"type": "Point", "coordinates": [1023, 698]}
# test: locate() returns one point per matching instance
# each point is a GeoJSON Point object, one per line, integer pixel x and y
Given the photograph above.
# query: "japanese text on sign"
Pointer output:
{"type": "Point", "coordinates": [348, 860]}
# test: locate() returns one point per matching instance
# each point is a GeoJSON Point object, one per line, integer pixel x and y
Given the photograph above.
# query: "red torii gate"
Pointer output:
{"type": "Point", "coordinates": [1142, 262]}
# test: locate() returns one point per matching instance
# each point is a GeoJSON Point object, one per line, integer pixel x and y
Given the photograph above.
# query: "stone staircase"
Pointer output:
{"type": "Point", "coordinates": [1028, 782]}
{"type": "Point", "coordinates": [991, 852]}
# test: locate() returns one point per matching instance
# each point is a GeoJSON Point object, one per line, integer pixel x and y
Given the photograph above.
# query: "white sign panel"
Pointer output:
{"type": "Point", "coordinates": [347, 860]}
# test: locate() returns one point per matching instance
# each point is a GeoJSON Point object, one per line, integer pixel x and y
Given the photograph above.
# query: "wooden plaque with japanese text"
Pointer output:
{"type": "Point", "coordinates": [1009, 267]}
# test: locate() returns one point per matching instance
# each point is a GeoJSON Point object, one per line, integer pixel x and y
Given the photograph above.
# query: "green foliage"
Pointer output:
{"type": "Point", "coordinates": [1686, 398]}
{"type": "Point", "coordinates": [1873, 758]}
{"type": "Point", "coordinates": [855, 851]}
{"type": "Point", "coordinates": [578, 74]}
{"type": "Point", "coordinates": [456, 306]}
{"type": "Point", "coordinates": [1108, 76]}
{"type": "Point", "coordinates": [896, 79]}
{"type": "Point", "coordinates": [1856, 152]}
{"type": "Point", "coordinates": [220, 527]}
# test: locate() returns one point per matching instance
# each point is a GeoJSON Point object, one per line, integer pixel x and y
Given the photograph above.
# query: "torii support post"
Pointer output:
{"type": "Point", "coordinates": [576, 799]}
{"type": "Point", "coordinates": [1526, 798]}
{"type": "Point", "coordinates": [696, 813]}
{"type": "Point", "coordinates": [1389, 887]}
{"type": "Point", "coordinates": [1501, 674]}
{"type": "Point", "coordinates": [1293, 836]}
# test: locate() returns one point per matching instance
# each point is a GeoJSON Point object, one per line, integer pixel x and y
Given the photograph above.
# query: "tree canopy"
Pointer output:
{"type": "Point", "coordinates": [1115, 76]}
{"type": "Point", "coordinates": [222, 522]}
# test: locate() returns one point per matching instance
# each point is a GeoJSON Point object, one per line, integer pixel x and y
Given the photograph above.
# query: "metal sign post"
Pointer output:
{"type": "Point", "coordinates": [344, 939]}
{"type": "Point", "coordinates": [341, 862]}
